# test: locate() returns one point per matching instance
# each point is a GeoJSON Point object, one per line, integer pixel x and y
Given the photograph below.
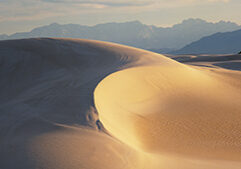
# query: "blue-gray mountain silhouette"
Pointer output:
{"type": "Point", "coordinates": [219, 43]}
{"type": "Point", "coordinates": [133, 33]}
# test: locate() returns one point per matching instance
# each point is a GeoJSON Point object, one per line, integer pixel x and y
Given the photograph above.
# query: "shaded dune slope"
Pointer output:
{"type": "Point", "coordinates": [68, 103]}
{"type": "Point", "coordinates": [47, 85]}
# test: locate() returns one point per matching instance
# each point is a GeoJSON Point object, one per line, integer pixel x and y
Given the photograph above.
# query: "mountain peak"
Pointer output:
{"type": "Point", "coordinates": [135, 22]}
{"type": "Point", "coordinates": [194, 21]}
{"type": "Point", "coordinates": [54, 24]}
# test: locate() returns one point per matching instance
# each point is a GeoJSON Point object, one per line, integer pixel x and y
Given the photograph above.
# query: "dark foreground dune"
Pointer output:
{"type": "Point", "coordinates": [83, 104]}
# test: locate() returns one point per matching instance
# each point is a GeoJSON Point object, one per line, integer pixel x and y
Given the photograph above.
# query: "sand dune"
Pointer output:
{"type": "Point", "coordinates": [231, 61]}
{"type": "Point", "coordinates": [83, 104]}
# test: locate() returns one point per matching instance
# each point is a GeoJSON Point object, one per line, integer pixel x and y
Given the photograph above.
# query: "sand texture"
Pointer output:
{"type": "Point", "coordinates": [85, 104]}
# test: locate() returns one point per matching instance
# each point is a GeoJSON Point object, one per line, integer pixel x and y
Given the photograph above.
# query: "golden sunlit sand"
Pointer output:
{"type": "Point", "coordinates": [83, 104]}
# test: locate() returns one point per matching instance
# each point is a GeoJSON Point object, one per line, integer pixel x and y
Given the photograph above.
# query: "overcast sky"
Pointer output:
{"type": "Point", "coordinates": [23, 15]}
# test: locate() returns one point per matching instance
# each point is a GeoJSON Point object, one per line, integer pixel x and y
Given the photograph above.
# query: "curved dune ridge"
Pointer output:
{"type": "Point", "coordinates": [84, 104]}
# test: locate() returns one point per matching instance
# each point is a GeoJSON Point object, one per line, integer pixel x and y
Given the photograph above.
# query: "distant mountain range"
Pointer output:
{"type": "Point", "coordinates": [219, 43]}
{"type": "Point", "coordinates": [134, 33]}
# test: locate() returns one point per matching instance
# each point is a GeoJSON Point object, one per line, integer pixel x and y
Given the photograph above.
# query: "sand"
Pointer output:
{"type": "Point", "coordinates": [84, 104]}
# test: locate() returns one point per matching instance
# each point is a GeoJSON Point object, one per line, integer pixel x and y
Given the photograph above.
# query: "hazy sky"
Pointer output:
{"type": "Point", "coordinates": [23, 15]}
